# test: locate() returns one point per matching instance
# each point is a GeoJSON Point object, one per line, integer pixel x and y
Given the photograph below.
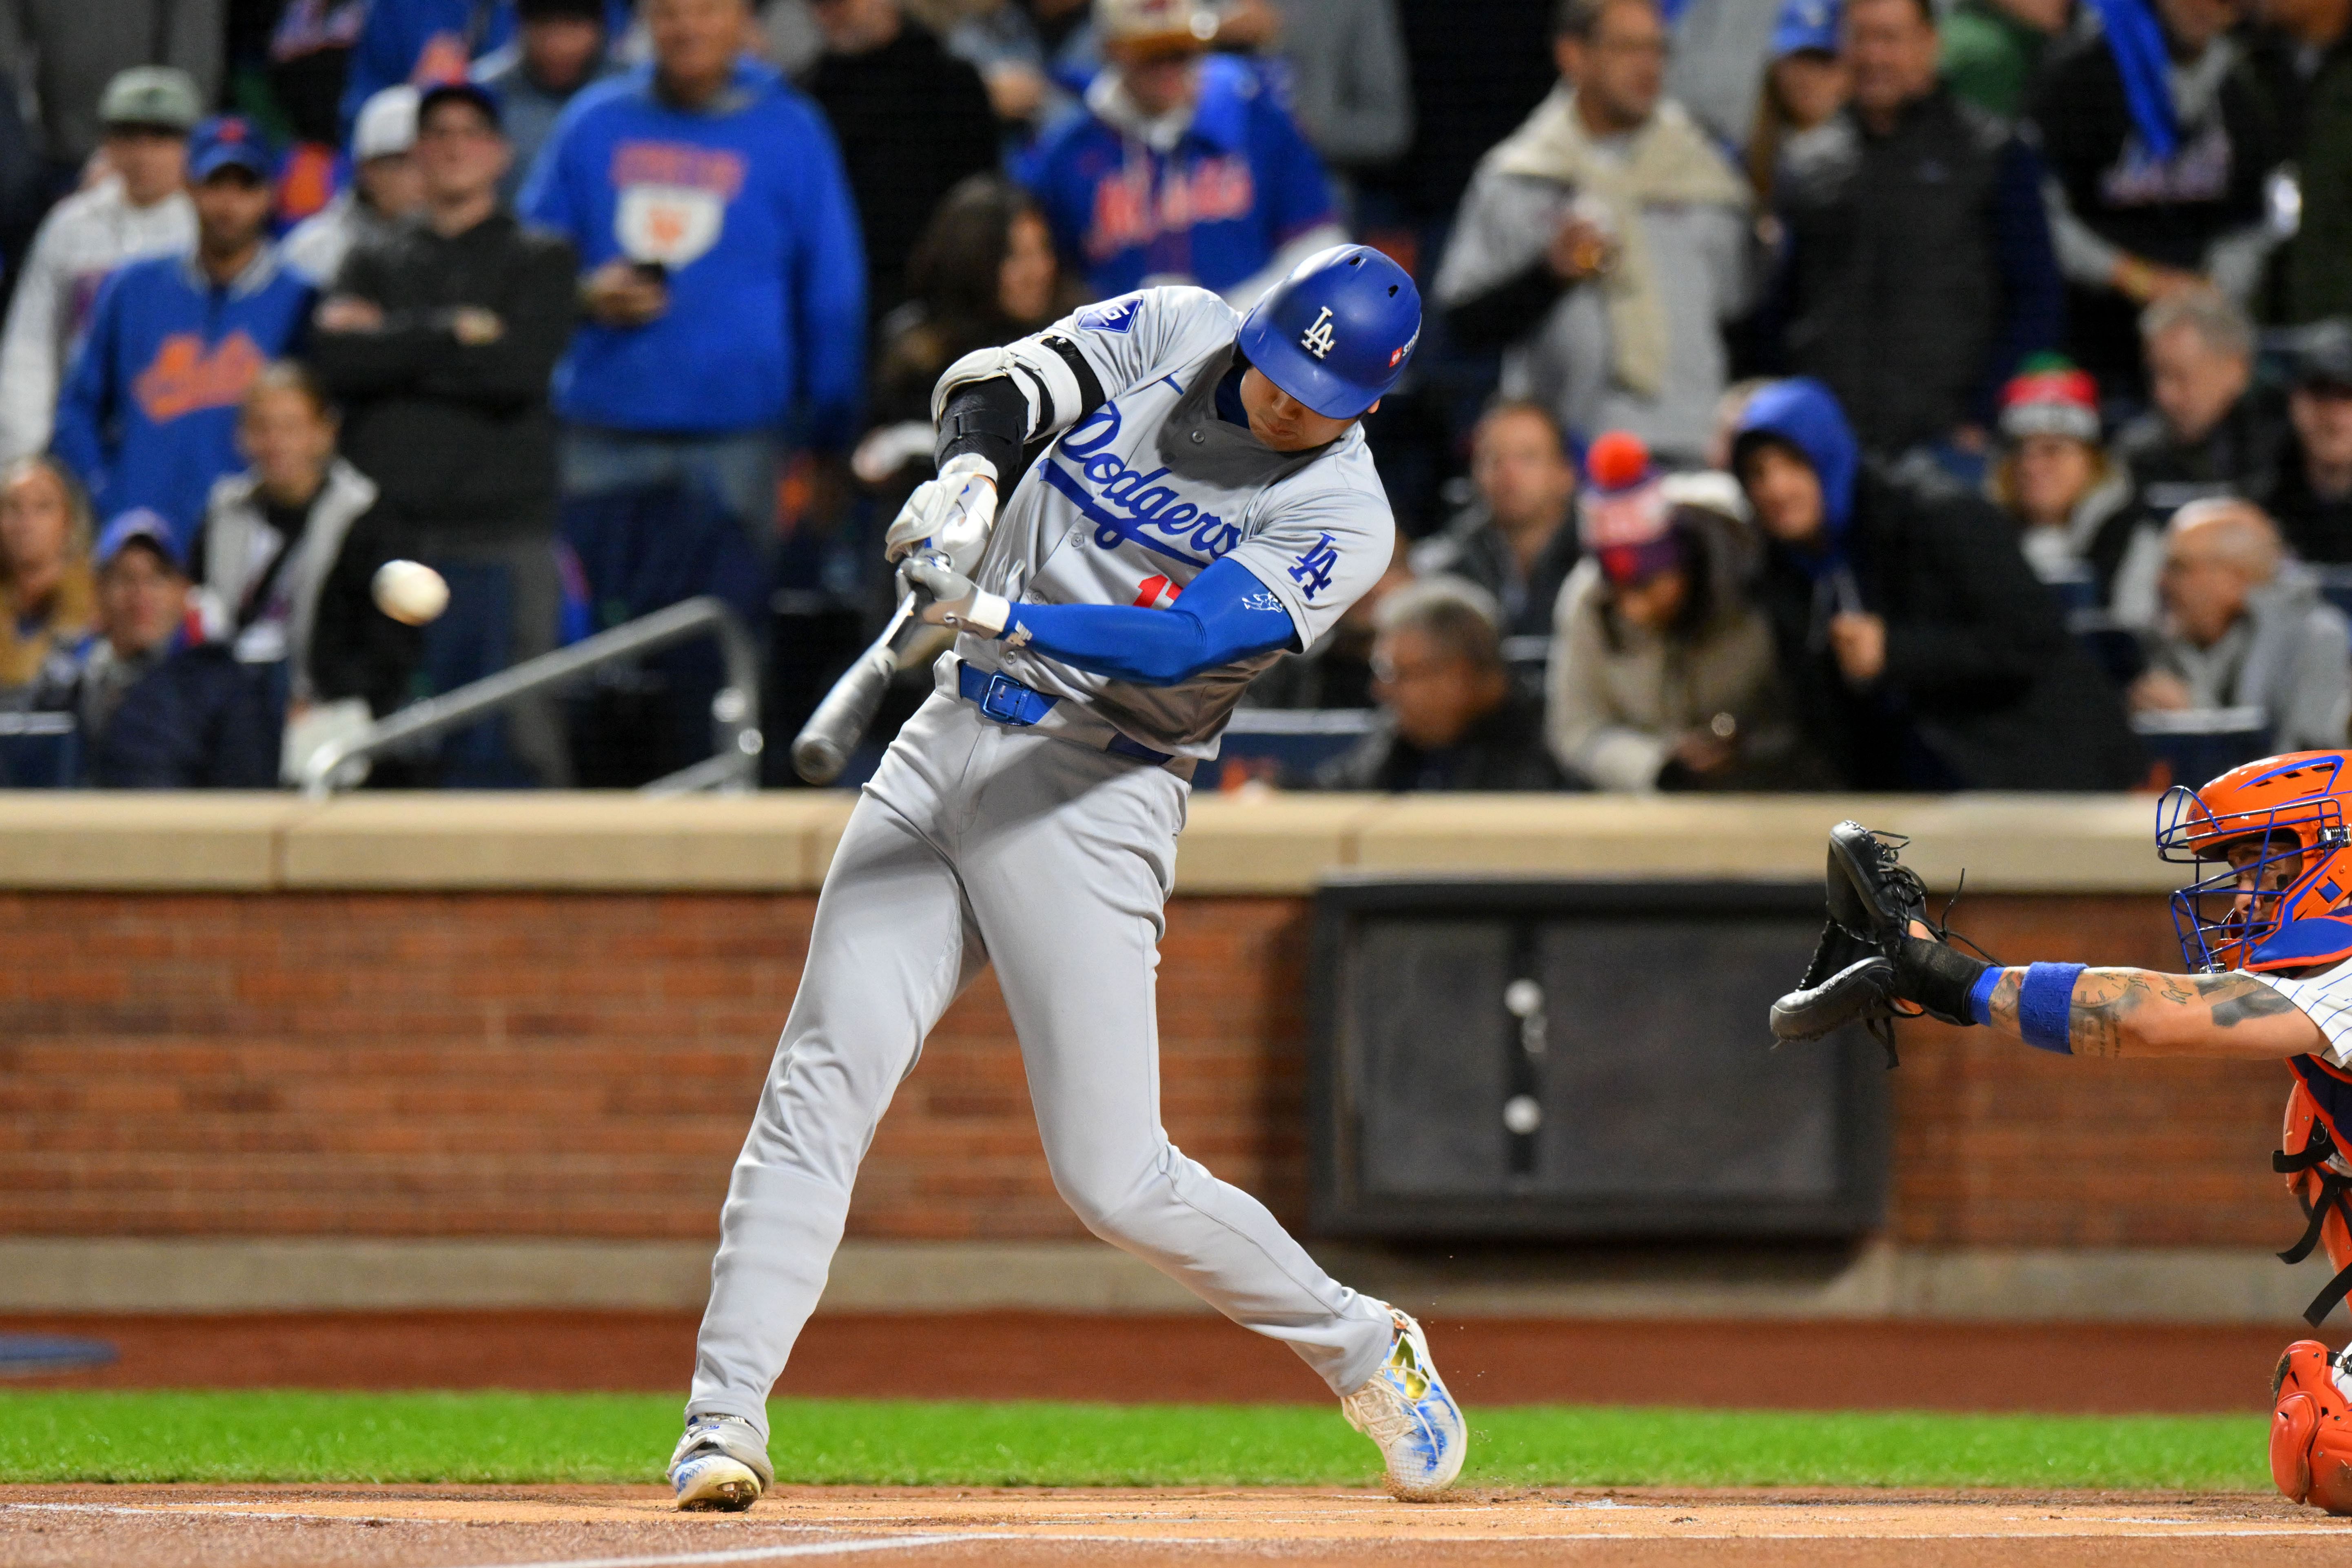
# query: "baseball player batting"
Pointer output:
{"type": "Point", "coordinates": [2266, 929]}
{"type": "Point", "coordinates": [1206, 501]}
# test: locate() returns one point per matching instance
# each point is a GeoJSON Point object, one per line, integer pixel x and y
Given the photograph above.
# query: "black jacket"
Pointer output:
{"type": "Point", "coordinates": [459, 437]}
{"type": "Point", "coordinates": [1472, 547]}
{"type": "Point", "coordinates": [1919, 268]}
{"type": "Point", "coordinates": [2239, 457]}
{"type": "Point", "coordinates": [199, 721]}
{"type": "Point", "coordinates": [1503, 751]}
{"type": "Point", "coordinates": [2317, 528]}
{"type": "Point", "coordinates": [912, 119]}
{"type": "Point", "coordinates": [1983, 687]}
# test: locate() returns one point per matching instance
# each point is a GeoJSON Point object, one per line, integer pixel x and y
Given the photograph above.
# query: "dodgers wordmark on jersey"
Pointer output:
{"type": "Point", "coordinates": [1132, 503]}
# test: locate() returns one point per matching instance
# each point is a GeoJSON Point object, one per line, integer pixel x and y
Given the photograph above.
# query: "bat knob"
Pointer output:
{"type": "Point", "coordinates": [817, 759]}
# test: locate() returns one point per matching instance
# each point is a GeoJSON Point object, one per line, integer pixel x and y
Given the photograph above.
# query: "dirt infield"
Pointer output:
{"type": "Point", "coordinates": [622, 1527]}
{"type": "Point", "coordinates": [2066, 1367]}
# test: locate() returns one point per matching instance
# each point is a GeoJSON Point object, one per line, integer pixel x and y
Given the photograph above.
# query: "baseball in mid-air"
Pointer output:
{"type": "Point", "coordinates": [410, 592]}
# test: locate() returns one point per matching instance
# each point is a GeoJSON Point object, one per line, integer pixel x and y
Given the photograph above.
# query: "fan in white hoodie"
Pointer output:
{"type": "Point", "coordinates": [140, 209]}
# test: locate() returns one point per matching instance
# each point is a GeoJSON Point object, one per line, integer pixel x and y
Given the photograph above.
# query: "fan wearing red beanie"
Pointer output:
{"type": "Point", "coordinates": [1662, 673]}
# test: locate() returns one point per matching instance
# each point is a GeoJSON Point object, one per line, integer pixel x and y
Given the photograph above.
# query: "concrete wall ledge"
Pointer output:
{"type": "Point", "coordinates": [1876, 1282]}
{"type": "Point", "coordinates": [783, 841]}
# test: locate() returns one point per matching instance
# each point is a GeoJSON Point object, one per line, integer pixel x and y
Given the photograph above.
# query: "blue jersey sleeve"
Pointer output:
{"type": "Point", "coordinates": [1225, 615]}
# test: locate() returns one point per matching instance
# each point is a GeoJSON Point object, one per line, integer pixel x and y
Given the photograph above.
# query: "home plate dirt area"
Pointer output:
{"type": "Point", "coordinates": [626, 1527]}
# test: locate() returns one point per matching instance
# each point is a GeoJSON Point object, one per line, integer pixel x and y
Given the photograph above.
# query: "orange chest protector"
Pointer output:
{"type": "Point", "coordinates": [2313, 1156]}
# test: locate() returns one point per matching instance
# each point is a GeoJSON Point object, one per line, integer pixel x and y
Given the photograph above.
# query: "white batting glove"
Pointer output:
{"type": "Point", "coordinates": [953, 599]}
{"type": "Point", "coordinates": [950, 514]}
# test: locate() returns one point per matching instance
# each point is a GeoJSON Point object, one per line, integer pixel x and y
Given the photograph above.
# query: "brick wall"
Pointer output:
{"type": "Point", "coordinates": [583, 1065]}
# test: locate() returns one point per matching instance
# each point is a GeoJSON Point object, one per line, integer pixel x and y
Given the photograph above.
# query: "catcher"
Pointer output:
{"type": "Point", "coordinates": [2266, 927]}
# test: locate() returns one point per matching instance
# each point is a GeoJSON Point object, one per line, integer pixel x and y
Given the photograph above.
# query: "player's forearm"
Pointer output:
{"type": "Point", "coordinates": [2140, 1013]}
{"type": "Point", "coordinates": [1148, 648]}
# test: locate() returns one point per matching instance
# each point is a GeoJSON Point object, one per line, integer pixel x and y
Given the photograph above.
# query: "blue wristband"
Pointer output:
{"type": "Point", "coordinates": [2042, 1004]}
{"type": "Point", "coordinates": [1981, 994]}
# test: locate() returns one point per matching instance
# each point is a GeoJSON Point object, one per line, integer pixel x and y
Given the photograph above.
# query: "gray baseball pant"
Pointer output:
{"type": "Point", "coordinates": [977, 843]}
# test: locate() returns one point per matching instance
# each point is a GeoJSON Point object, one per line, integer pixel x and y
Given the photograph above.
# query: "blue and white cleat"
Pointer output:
{"type": "Point", "coordinates": [1407, 1411]}
{"type": "Point", "coordinates": [720, 1464]}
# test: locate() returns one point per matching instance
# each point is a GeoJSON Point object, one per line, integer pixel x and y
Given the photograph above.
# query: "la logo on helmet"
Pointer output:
{"type": "Point", "coordinates": [1317, 338]}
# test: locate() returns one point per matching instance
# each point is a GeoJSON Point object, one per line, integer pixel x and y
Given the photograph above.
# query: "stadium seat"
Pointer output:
{"type": "Point", "coordinates": [1281, 743]}
{"type": "Point", "coordinates": [2194, 744]}
{"type": "Point", "coordinates": [39, 751]}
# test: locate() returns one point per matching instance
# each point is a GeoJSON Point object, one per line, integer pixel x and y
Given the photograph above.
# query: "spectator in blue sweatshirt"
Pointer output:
{"type": "Point", "coordinates": [149, 414]}
{"type": "Point", "coordinates": [724, 282]}
{"type": "Point", "coordinates": [1184, 168]}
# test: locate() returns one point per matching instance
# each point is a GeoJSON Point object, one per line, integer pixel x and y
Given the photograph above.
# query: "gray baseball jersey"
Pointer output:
{"type": "Point", "coordinates": [1134, 500]}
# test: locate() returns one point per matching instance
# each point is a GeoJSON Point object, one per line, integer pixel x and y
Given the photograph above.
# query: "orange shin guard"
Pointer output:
{"type": "Point", "coordinates": [2311, 1429]}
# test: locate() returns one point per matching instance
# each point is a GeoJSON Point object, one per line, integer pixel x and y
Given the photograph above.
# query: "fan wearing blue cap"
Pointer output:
{"type": "Point", "coordinates": [142, 606]}
{"type": "Point", "coordinates": [1200, 500]}
{"type": "Point", "coordinates": [1804, 85]}
{"type": "Point", "coordinates": [149, 414]}
{"type": "Point", "coordinates": [157, 709]}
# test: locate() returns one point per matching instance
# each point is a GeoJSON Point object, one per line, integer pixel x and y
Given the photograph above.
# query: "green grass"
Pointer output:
{"type": "Point", "coordinates": [481, 1437]}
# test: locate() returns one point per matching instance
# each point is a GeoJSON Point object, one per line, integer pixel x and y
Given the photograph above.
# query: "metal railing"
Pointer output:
{"type": "Point", "coordinates": [732, 768]}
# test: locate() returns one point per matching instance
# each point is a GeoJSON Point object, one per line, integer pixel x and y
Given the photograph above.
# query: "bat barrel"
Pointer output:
{"type": "Point", "coordinates": [822, 749]}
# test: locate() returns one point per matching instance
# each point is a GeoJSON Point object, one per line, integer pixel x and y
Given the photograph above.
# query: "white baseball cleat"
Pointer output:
{"type": "Point", "coordinates": [720, 1464]}
{"type": "Point", "coordinates": [1407, 1411]}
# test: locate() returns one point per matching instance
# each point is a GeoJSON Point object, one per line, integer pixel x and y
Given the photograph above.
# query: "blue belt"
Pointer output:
{"type": "Point", "coordinates": [1007, 701]}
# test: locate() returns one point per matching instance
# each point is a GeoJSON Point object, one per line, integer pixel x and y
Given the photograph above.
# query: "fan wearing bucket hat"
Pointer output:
{"type": "Point", "coordinates": [2056, 482]}
{"type": "Point", "coordinates": [149, 415]}
{"type": "Point", "coordinates": [1662, 674]}
{"type": "Point", "coordinates": [1183, 169]}
{"type": "Point", "coordinates": [139, 208]}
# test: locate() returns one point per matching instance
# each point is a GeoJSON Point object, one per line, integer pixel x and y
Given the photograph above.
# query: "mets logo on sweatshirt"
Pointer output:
{"type": "Point", "coordinates": [186, 378]}
{"type": "Point", "coordinates": [673, 198]}
{"type": "Point", "coordinates": [1146, 198]}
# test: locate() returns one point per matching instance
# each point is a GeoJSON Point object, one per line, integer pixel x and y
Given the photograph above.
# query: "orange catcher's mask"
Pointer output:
{"type": "Point", "coordinates": [2276, 829]}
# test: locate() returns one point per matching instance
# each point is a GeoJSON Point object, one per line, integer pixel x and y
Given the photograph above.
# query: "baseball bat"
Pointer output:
{"type": "Point", "coordinates": [822, 748]}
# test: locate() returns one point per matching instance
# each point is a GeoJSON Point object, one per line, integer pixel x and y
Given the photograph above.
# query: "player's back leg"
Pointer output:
{"type": "Point", "coordinates": [1068, 871]}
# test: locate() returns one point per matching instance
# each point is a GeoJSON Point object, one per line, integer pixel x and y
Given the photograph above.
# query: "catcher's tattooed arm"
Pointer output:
{"type": "Point", "coordinates": [2138, 1013]}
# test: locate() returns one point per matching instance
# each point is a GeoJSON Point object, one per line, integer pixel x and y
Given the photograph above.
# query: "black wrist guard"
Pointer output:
{"type": "Point", "coordinates": [988, 418]}
{"type": "Point", "coordinates": [1937, 977]}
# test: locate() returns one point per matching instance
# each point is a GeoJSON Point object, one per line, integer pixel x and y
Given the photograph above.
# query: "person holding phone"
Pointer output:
{"type": "Point", "coordinates": [723, 276]}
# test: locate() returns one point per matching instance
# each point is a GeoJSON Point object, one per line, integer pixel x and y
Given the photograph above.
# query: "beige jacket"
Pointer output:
{"type": "Point", "coordinates": [1617, 698]}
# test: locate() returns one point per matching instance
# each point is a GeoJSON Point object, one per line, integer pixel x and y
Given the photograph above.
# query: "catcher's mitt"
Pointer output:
{"type": "Point", "coordinates": [1868, 967]}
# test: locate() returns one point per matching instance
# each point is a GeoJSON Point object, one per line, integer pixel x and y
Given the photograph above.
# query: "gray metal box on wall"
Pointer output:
{"type": "Point", "coordinates": [1580, 1060]}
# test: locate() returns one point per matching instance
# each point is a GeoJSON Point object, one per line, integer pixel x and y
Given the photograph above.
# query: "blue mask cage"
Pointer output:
{"type": "Point", "coordinates": [2213, 915]}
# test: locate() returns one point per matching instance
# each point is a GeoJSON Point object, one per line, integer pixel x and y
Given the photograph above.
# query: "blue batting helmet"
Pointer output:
{"type": "Point", "coordinates": [1335, 334]}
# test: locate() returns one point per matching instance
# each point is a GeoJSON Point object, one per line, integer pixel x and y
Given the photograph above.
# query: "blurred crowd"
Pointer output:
{"type": "Point", "coordinates": [1816, 394]}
